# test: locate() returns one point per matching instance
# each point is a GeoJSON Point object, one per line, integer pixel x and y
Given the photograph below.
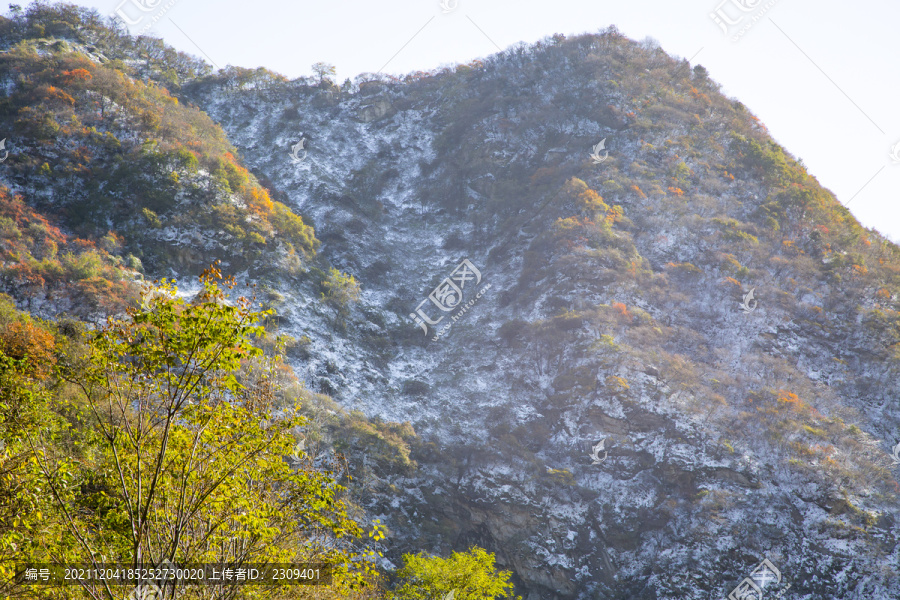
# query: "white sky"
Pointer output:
{"type": "Point", "coordinates": [822, 75]}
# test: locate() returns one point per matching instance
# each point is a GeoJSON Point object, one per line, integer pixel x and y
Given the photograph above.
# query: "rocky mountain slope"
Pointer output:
{"type": "Point", "coordinates": [688, 294]}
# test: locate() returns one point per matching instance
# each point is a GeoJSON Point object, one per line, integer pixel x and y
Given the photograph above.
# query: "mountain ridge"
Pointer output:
{"type": "Point", "coordinates": [614, 312]}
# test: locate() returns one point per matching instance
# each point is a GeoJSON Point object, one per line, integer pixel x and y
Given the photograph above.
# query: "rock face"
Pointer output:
{"type": "Point", "coordinates": [525, 298]}
{"type": "Point", "coordinates": [374, 110]}
{"type": "Point", "coordinates": [615, 311]}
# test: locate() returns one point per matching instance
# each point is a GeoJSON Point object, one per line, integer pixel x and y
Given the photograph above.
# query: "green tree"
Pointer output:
{"type": "Point", "coordinates": [26, 358]}
{"type": "Point", "coordinates": [324, 72]}
{"type": "Point", "coordinates": [341, 291]}
{"type": "Point", "coordinates": [469, 575]}
{"type": "Point", "coordinates": [701, 73]}
{"type": "Point", "coordinates": [23, 505]}
{"type": "Point", "coordinates": [189, 463]}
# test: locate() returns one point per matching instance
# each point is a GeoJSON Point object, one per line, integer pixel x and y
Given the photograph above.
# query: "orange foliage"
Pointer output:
{"type": "Point", "coordinates": [105, 295]}
{"type": "Point", "coordinates": [591, 203]}
{"type": "Point", "coordinates": [759, 123]}
{"type": "Point", "coordinates": [574, 229]}
{"type": "Point", "coordinates": [614, 214]}
{"type": "Point", "coordinates": [639, 191]}
{"type": "Point", "coordinates": [76, 76]}
{"type": "Point", "coordinates": [21, 340]}
{"type": "Point", "coordinates": [83, 244]}
{"type": "Point", "coordinates": [790, 247]}
{"type": "Point", "coordinates": [54, 93]}
{"type": "Point", "coordinates": [700, 96]}
{"type": "Point", "coordinates": [591, 200]}
{"type": "Point", "coordinates": [622, 310]}
{"type": "Point", "coordinates": [684, 268]}
{"type": "Point", "coordinates": [676, 191]}
{"type": "Point", "coordinates": [22, 275]}
{"type": "Point", "coordinates": [793, 402]}
{"type": "Point", "coordinates": [633, 268]}
{"type": "Point", "coordinates": [39, 233]}
{"type": "Point", "coordinates": [31, 260]}
{"type": "Point", "coordinates": [790, 400]}
{"type": "Point", "coordinates": [258, 201]}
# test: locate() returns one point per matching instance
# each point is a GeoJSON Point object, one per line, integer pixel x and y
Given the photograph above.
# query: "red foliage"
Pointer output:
{"type": "Point", "coordinates": [623, 311]}
{"type": "Point", "coordinates": [22, 275]}
{"type": "Point", "coordinates": [76, 76]}
{"type": "Point", "coordinates": [15, 209]}
{"type": "Point", "coordinates": [30, 253]}
{"type": "Point", "coordinates": [83, 244]}
{"type": "Point", "coordinates": [105, 295]}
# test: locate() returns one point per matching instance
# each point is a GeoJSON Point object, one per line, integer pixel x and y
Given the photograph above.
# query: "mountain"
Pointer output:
{"type": "Point", "coordinates": [685, 292]}
{"type": "Point", "coordinates": [142, 178]}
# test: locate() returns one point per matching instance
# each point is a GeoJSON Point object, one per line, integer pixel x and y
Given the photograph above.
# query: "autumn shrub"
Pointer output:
{"type": "Point", "coordinates": [684, 269]}
{"type": "Point", "coordinates": [470, 575]}
{"type": "Point", "coordinates": [82, 266]}
{"type": "Point", "coordinates": [25, 341]}
{"type": "Point", "coordinates": [617, 386]}
{"type": "Point", "coordinates": [341, 291]}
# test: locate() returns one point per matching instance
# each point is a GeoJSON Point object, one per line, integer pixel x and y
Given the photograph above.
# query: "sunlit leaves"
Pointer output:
{"type": "Point", "coordinates": [471, 574]}
{"type": "Point", "coordinates": [184, 468]}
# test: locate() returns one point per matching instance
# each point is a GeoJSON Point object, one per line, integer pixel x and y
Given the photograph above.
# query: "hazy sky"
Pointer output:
{"type": "Point", "coordinates": [822, 75]}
